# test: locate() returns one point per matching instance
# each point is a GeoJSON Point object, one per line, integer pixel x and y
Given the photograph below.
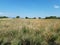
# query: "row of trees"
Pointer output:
{"type": "Point", "coordinates": [4, 17]}
{"type": "Point", "coordinates": [50, 17]}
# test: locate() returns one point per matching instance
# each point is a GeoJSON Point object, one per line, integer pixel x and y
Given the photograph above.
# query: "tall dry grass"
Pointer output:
{"type": "Point", "coordinates": [30, 32]}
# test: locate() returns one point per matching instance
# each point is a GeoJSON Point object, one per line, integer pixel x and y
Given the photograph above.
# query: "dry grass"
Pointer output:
{"type": "Point", "coordinates": [36, 30]}
{"type": "Point", "coordinates": [36, 24]}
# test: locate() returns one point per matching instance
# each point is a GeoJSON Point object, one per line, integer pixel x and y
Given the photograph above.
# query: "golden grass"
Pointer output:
{"type": "Point", "coordinates": [36, 24]}
{"type": "Point", "coordinates": [36, 30]}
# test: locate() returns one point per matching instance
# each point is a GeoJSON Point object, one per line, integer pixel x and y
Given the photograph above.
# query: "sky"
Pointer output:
{"type": "Point", "coordinates": [29, 8]}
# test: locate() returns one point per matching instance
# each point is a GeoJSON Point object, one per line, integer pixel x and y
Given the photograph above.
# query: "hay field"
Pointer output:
{"type": "Point", "coordinates": [29, 31]}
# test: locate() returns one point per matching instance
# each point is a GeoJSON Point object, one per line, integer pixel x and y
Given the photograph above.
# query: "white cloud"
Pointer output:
{"type": "Point", "coordinates": [3, 14]}
{"type": "Point", "coordinates": [56, 6]}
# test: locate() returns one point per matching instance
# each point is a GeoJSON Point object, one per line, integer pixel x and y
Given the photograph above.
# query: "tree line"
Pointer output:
{"type": "Point", "coordinates": [50, 17]}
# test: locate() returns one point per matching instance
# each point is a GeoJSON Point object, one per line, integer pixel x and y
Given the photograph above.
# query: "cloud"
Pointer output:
{"type": "Point", "coordinates": [56, 6]}
{"type": "Point", "coordinates": [3, 14]}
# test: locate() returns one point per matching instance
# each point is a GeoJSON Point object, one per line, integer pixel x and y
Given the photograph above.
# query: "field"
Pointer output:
{"type": "Point", "coordinates": [29, 31]}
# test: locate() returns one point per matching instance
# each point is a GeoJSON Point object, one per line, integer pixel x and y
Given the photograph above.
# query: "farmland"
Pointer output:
{"type": "Point", "coordinates": [29, 31]}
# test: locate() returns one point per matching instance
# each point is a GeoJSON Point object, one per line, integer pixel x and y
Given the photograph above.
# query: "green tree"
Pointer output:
{"type": "Point", "coordinates": [39, 17]}
{"type": "Point", "coordinates": [51, 17]}
{"type": "Point", "coordinates": [3, 17]}
{"type": "Point", "coordinates": [17, 16]}
{"type": "Point", "coordinates": [26, 17]}
{"type": "Point", "coordinates": [34, 17]}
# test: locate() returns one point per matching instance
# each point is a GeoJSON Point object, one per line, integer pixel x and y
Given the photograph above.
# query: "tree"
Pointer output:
{"type": "Point", "coordinates": [39, 17]}
{"type": "Point", "coordinates": [3, 17]}
{"type": "Point", "coordinates": [58, 17]}
{"type": "Point", "coordinates": [26, 17]}
{"type": "Point", "coordinates": [34, 17]}
{"type": "Point", "coordinates": [51, 17]}
{"type": "Point", "coordinates": [17, 16]}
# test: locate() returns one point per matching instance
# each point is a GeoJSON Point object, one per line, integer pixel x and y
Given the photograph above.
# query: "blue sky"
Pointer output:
{"type": "Point", "coordinates": [30, 8]}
